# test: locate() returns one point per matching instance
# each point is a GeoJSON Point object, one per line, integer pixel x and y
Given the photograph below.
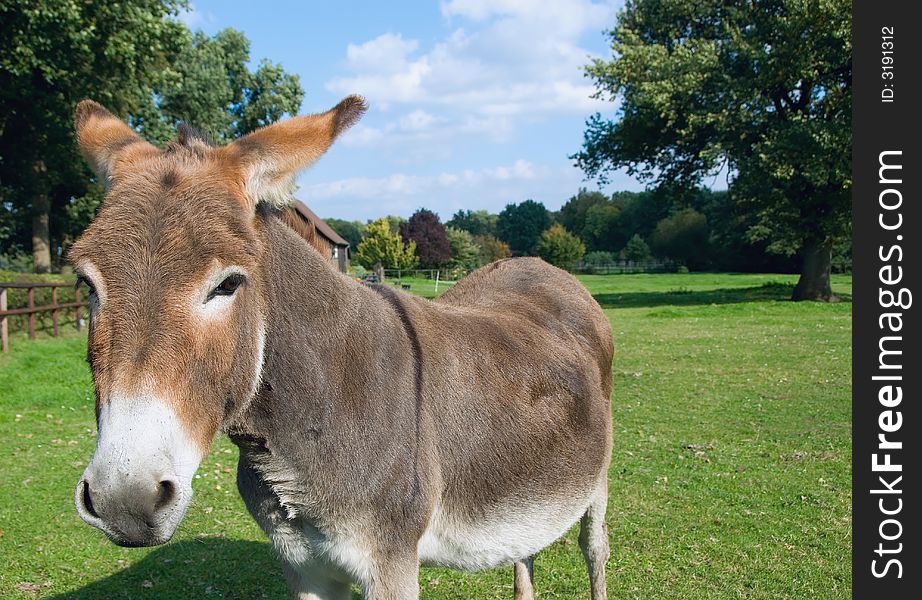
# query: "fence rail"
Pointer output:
{"type": "Point", "coordinates": [31, 309]}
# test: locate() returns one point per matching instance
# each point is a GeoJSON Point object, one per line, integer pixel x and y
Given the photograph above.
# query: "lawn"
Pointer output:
{"type": "Point", "coordinates": [730, 476]}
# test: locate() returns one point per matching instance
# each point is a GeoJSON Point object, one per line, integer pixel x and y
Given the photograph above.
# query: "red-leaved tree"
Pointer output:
{"type": "Point", "coordinates": [427, 231]}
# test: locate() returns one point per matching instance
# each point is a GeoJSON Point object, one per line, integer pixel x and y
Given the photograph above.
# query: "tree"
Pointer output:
{"type": "Point", "coordinates": [52, 55]}
{"type": "Point", "coordinates": [381, 245]}
{"type": "Point", "coordinates": [560, 247]}
{"type": "Point", "coordinates": [636, 250]}
{"type": "Point", "coordinates": [521, 225]}
{"type": "Point", "coordinates": [351, 231]}
{"type": "Point", "coordinates": [427, 231]}
{"type": "Point", "coordinates": [683, 237]}
{"type": "Point", "coordinates": [210, 87]}
{"type": "Point", "coordinates": [140, 62]}
{"type": "Point", "coordinates": [478, 222]}
{"type": "Point", "coordinates": [465, 253]}
{"type": "Point", "coordinates": [492, 248]}
{"type": "Point", "coordinates": [601, 230]}
{"type": "Point", "coordinates": [761, 88]}
{"type": "Point", "coordinates": [572, 215]}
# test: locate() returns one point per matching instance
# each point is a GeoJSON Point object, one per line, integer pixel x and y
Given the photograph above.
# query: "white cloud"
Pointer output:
{"type": "Point", "coordinates": [193, 18]}
{"type": "Point", "coordinates": [400, 185]}
{"type": "Point", "coordinates": [385, 53]}
{"type": "Point", "coordinates": [519, 58]}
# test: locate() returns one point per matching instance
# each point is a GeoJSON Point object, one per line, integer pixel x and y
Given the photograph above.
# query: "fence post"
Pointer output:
{"type": "Point", "coordinates": [77, 309]}
{"type": "Point", "coordinates": [4, 334]}
{"type": "Point", "coordinates": [54, 311]}
{"type": "Point", "coordinates": [31, 314]}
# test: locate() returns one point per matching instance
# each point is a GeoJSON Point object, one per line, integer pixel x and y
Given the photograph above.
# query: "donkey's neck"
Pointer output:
{"type": "Point", "coordinates": [313, 314]}
{"type": "Point", "coordinates": [306, 296]}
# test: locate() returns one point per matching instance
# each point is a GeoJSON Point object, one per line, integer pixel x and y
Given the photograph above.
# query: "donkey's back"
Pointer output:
{"type": "Point", "coordinates": [524, 437]}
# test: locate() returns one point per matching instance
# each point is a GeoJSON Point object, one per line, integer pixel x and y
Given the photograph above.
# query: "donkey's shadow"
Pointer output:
{"type": "Point", "coordinates": [200, 568]}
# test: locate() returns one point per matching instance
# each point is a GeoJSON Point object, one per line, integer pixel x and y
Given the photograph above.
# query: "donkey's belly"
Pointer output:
{"type": "Point", "coordinates": [503, 536]}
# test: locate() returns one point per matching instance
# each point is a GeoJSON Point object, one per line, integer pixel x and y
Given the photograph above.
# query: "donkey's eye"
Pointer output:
{"type": "Point", "coordinates": [228, 286]}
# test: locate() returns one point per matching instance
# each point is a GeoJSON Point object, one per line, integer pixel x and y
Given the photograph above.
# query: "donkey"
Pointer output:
{"type": "Point", "coordinates": [377, 430]}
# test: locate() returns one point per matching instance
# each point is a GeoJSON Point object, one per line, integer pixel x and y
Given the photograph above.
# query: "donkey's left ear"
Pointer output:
{"type": "Point", "coordinates": [106, 141]}
{"type": "Point", "coordinates": [270, 157]}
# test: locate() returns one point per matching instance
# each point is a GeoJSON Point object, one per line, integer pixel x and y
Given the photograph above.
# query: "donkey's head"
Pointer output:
{"type": "Point", "coordinates": [174, 267]}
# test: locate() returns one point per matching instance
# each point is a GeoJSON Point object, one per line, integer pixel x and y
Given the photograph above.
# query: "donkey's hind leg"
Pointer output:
{"type": "Point", "coordinates": [524, 585]}
{"type": "Point", "coordinates": [593, 541]}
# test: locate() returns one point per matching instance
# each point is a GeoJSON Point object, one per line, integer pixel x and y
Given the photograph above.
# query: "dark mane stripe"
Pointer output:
{"type": "Point", "coordinates": [393, 298]}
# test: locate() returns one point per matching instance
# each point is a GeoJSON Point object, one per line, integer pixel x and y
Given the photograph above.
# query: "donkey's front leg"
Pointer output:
{"type": "Point", "coordinates": [394, 577]}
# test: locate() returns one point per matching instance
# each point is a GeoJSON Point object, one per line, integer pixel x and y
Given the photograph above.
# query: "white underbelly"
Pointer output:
{"type": "Point", "coordinates": [502, 537]}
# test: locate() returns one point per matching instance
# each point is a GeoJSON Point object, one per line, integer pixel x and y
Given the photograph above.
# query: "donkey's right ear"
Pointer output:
{"type": "Point", "coordinates": [105, 140]}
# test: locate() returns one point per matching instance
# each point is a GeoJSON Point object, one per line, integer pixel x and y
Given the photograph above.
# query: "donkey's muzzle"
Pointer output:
{"type": "Point", "coordinates": [132, 511]}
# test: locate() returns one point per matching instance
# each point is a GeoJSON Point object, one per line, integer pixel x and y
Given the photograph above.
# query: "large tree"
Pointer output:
{"type": "Point", "coordinates": [52, 55]}
{"type": "Point", "coordinates": [761, 89]}
{"type": "Point", "coordinates": [520, 226]}
{"type": "Point", "coordinates": [425, 229]}
{"type": "Point", "coordinates": [138, 60]}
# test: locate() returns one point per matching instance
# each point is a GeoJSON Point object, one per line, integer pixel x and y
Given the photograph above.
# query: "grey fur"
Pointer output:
{"type": "Point", "coordinates": [376, 406]}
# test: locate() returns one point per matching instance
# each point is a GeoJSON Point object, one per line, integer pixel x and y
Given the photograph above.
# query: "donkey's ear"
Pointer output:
{"type": "Point", "coordinates": [105, 140]}
{"type": "Point", "coordinates": [270, 157]}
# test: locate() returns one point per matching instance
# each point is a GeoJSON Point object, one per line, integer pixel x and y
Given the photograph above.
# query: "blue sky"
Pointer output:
{"type": "Point", "coordinates": [473, 103]}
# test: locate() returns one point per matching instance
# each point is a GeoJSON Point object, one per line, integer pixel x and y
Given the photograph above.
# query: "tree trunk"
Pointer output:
{"type": "Point", "coordinates": [41, 242]}
{"type": "Point", "coordinates": [814, 276]}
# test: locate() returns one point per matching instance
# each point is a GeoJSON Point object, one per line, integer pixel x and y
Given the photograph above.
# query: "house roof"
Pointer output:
{"type": "Point", "coordinates": [321, 225]}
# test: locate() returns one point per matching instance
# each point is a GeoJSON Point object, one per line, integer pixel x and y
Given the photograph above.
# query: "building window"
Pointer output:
{"type": "Point", "coordinates": [335, 252]}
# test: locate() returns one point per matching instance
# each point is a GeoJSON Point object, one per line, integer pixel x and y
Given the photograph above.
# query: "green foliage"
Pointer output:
{"type": "Point", "coordinates": [382, 245]}
{"type": "Point", "coordinates": [476, 222]}
{"type": "Point", "coordinates": [492, 248]}
{"type": "Point", "coordinates": [572, 215]}
{"type": "Point", "coordinates": [560, 247]}
{"type": "Point", "coordinates": [210, 87]}
{"type": "Point", "coordinates": [394, 222]}
{"type": "Point", "coordinates": [760, 88]}
{"type": "Point", "coordinates": [351, 231]}
{"type": "Point", "coordinates": [598, 258]}
{"type": "Point", "coordinates": [427, 231]}
{"type": "Point", "coordinates": [520, 226]}
{"type": "Point", "coordinates": [465, 253]}
{"type": "Point", "coordinates": [636, 249]}
{"type": "Point", "coordinates": [683, 237]}
{"type": "Point", "coordinates": [601, 231]}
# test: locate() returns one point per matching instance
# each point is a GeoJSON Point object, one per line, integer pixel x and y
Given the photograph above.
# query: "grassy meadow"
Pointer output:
{"type": "Point", "coordinates": [730, 476]}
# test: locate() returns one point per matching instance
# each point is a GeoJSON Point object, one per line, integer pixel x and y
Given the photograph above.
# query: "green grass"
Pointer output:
{"type": "Point", "coordinates": [730, 474]}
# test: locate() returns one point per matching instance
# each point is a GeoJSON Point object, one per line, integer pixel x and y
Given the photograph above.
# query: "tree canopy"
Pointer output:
{"type": "Point", "coordinates": [520, 226]}
{"type": "Point", "coordinates": [465, 252]}
{"type": "Point", "coordinates": [382, 245]}
{"type": "Point", "coordinates": [351, 231]}
{"type": "Point", "coordinates": [475, 222]}
{"type": "Point", "coordinates": [760, 89]}
{"type": "Point", "coordinates": [560, 247]}
{"type": "Point", "coordinates": [425, 229]}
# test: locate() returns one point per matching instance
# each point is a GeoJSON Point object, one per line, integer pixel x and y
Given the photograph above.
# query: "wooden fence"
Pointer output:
{"type": "Point", "coordinates": [31, 309]}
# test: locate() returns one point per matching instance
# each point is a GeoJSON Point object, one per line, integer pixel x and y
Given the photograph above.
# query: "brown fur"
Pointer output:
{"type": "Point", "coordinates": [374, 407]}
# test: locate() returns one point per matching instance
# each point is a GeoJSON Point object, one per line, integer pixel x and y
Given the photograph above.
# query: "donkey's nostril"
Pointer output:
{"type": "Point", "coordinates": [87, 501]}
{"type": "Point", "coordinates": [166, 494]}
